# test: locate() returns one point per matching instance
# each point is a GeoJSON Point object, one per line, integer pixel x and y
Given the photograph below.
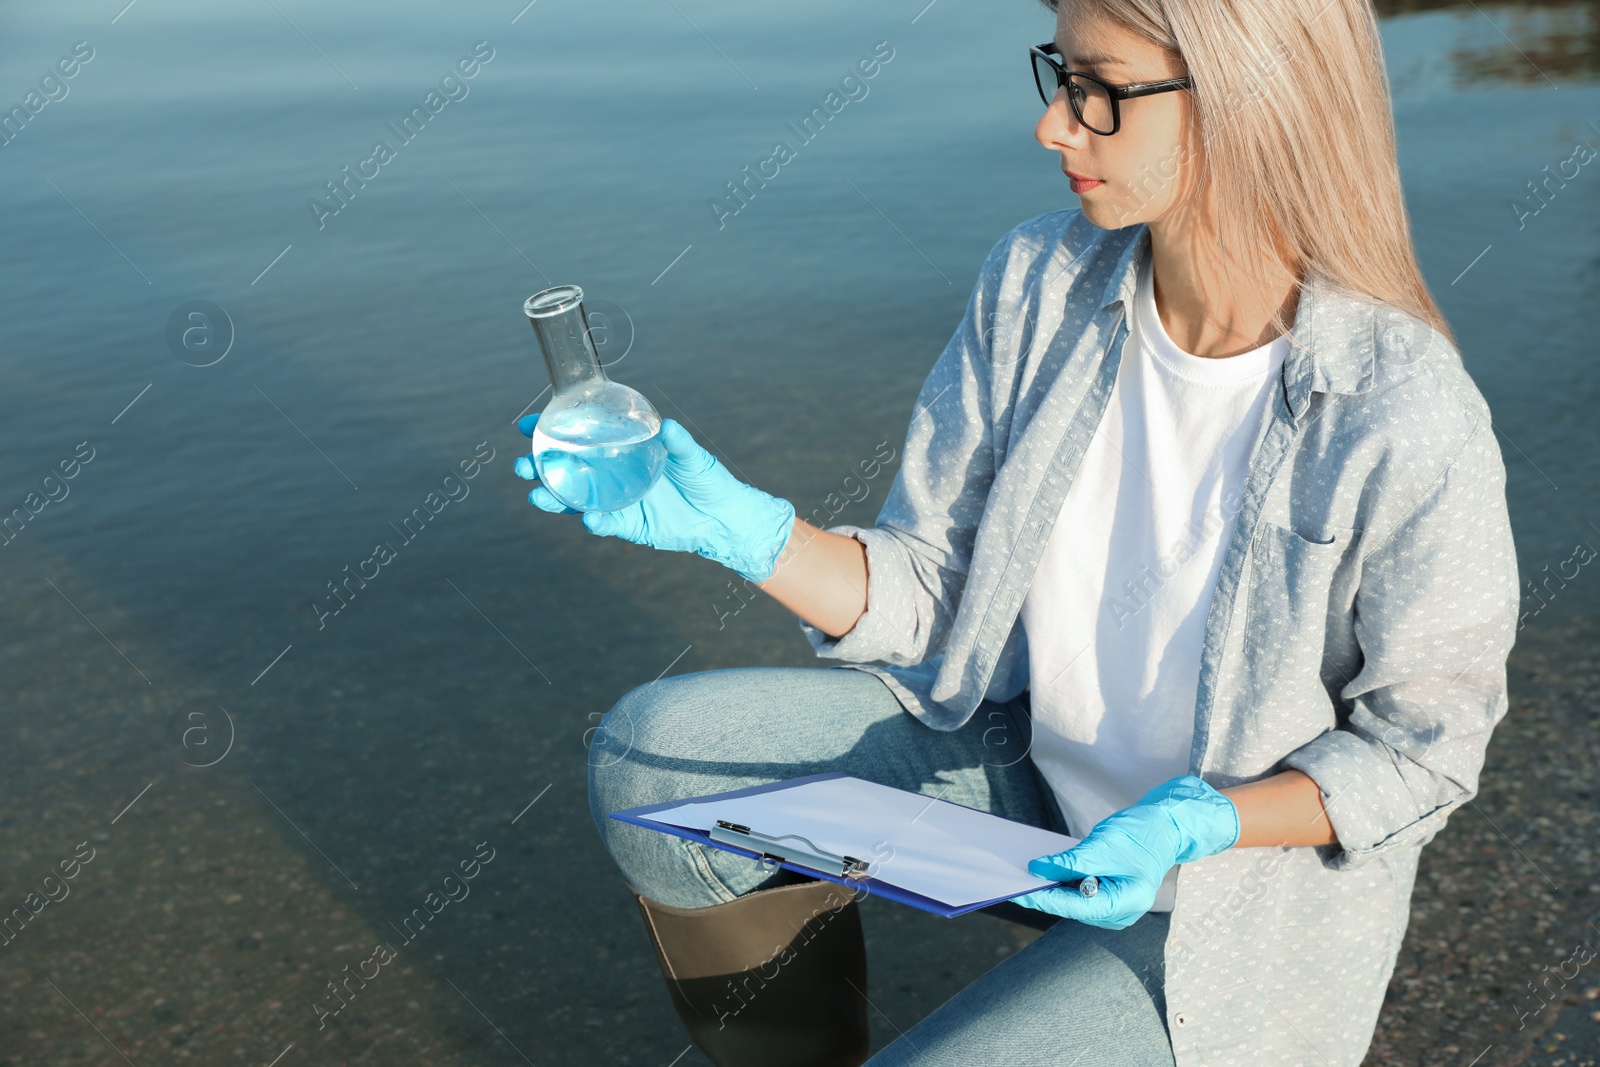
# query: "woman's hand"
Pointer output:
{"type": "Point", "coordinates": [1130, 851]}
{"type": "Point", "coordinates": [696, 506]}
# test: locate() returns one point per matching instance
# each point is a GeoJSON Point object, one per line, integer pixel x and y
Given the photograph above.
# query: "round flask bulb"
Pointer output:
{"type": "Point", "coordinates": [599, 450]}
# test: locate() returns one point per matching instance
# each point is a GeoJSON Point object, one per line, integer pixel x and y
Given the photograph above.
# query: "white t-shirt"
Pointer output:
{"type": "Point", "coordinates": [1116, 612]}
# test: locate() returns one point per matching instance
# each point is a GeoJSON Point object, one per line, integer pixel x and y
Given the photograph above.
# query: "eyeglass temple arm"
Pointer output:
{"type": "Point", "coordinates": [1147, 88]}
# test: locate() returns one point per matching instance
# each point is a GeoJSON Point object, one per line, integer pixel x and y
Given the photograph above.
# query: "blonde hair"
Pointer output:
{"type": "Point", "coordinates": [1291, 100]}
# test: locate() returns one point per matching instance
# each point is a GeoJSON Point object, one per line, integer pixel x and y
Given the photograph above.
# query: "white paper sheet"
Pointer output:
{"type": "Point", "coordinates": [941, 850]}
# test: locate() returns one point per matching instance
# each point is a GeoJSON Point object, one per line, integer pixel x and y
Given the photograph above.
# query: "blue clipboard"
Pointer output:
{"type": "Point", "coordinates": [868, 884]}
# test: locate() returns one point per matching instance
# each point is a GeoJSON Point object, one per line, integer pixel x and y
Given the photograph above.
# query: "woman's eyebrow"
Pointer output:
{"type": "Point", "coordinates": [1091, 59]}
{"type": "Point", "coordinates": [1095, 59]}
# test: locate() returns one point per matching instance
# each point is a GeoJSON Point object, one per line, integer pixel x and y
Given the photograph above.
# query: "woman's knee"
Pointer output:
{"type": "Point", "coordinates": [611, 741]}
{"type": "Point", "coordinates": [706, 731]}
{"type": "Point", "coordinates": [639, 749]}
{"type": "Point", "coordinates": [651, 747]}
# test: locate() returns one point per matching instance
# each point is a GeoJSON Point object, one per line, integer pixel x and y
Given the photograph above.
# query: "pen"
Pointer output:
{"type": "Point", "coordinates": [1088, 886]}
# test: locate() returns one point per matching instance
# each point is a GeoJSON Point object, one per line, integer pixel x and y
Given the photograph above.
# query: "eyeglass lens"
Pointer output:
{"type": "Point", "coordinates": [1089, 99]}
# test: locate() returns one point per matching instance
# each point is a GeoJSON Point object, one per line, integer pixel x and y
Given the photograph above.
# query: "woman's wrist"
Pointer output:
{"type": "Point", "coordinates": [1285, 810]}
{"type": "Point", "coordinates": [822, 578]}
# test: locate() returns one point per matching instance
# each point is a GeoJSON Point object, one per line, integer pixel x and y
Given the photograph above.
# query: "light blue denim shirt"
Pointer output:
{"type": "Point", "coordinates": [1358, 630]}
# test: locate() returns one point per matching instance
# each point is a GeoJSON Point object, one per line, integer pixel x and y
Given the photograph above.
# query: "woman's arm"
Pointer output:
{"type": "Point", "coordinates": [1180, 820]}
{"type": "Point", "coordinates": [1285, 809]}
{"type": "Point", "coordinates": [821, 577]}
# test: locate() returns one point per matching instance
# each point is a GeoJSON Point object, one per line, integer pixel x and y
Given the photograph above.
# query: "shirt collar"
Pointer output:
{"type": "Point", "coordinates": [1331, 343]}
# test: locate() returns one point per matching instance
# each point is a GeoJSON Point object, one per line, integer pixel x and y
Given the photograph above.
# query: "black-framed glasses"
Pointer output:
{"type": "Point", "coordinates": [1093, 100]}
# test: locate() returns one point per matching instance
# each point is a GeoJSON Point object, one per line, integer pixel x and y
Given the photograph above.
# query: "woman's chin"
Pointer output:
{"type": "Point", "coordinates": [1103, 214]}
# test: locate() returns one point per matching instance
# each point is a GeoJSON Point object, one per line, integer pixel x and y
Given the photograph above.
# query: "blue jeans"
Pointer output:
{"type": "Point", "coordinates": [1076, 991]}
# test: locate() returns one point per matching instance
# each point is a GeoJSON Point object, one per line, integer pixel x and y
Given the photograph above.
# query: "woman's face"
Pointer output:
{"type": "Point", "coordinates": [1146, 169]}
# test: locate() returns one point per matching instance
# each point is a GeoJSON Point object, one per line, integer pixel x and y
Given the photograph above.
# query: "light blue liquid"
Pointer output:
{"type": "Point", "coordinates": [597, 465]}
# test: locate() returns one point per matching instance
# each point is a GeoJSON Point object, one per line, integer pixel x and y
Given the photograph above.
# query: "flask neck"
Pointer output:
{"type": "Point", "coordinates": [569, 353]}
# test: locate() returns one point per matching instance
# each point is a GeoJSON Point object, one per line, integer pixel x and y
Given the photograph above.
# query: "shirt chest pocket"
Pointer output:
{"type": "Point", "coordinates": [1293, 579]}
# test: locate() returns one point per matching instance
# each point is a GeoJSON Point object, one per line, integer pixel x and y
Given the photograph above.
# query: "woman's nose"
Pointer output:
{"type": "Point", "coordinates": [1058, 127]}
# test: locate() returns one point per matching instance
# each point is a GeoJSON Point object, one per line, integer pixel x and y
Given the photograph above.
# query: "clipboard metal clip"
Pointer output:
{"type": "Point", "coordinates": [818, 859]}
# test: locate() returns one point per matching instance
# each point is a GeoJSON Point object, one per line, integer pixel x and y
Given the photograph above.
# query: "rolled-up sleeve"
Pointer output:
{"type": "Point", "coordinates": [920, 548]}
{"type": "Point", "coordinates": [1435, 618]}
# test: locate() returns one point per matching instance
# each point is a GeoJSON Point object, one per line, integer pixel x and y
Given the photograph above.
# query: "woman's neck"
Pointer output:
{"type": "Point", "coordinates": [1205, 309]}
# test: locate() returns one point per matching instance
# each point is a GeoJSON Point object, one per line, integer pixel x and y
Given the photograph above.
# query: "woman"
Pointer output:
{"type": "Point", "coordinates": [1198, 550]}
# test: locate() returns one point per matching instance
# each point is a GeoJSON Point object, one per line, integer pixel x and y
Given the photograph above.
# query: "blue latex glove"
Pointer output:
{"type": "Point", "coordinates": [695, 506]}
{"type": "Point", "coordinates": [1130, 852]}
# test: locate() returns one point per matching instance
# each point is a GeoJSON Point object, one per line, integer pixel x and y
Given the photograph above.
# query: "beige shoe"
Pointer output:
{"type": "Point", "coordinates": [775, 978]}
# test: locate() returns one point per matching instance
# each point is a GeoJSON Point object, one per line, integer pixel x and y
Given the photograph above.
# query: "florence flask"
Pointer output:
{"type": "Point", "coordinates": [597, 444]}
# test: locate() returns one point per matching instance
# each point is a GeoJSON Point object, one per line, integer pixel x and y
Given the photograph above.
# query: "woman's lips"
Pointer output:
{"type": "Point", "coordinates": [1080, 184]}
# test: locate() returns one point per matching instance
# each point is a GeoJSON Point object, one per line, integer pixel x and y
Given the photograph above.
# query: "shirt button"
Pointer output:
{"type": "Point", "coordinates": [1180, 1019]}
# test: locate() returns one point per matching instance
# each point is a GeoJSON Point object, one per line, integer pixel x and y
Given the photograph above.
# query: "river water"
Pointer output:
{"type": "Point", "coordinates": [253, 382]}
